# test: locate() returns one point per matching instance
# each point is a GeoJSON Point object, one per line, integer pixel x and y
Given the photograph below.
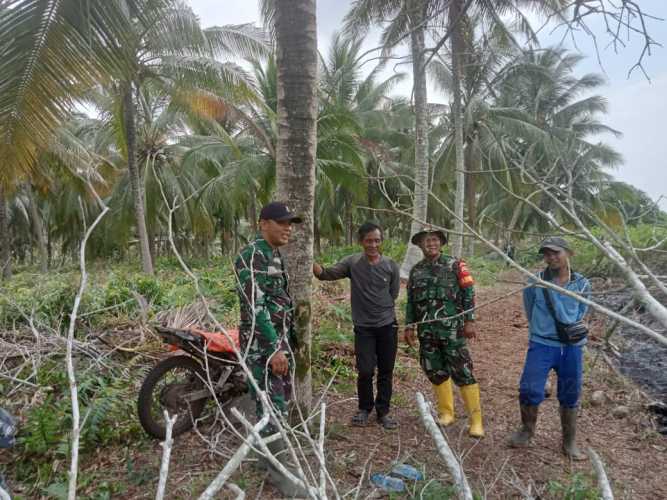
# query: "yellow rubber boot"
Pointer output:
{"type": "Point", "coordinates": [444, 395]}
{"type": "Point", "coordinates": [470, 396]}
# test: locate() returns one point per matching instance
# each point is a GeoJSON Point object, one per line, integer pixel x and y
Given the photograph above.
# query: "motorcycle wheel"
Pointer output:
{"type": "Point", "coordinates": [165, 388]}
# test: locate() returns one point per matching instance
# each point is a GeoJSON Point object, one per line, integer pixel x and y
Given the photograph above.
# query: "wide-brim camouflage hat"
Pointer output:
{"type": "Point", "coordinates": [555, 243]}
{"type": "Point", "coordinates": [417, 237]}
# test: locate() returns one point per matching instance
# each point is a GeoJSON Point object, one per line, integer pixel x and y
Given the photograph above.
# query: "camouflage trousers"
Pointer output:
{"type": "Point", "coordinates": [277, 388]}
{"type": "Point", "coordinates": [443, 354]}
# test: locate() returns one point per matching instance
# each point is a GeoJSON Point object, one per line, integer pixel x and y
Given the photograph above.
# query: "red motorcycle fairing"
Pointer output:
{"type": "Point", "coordinates": [218, 341]}
{"type": "Point", "coordinates": [214, 341]}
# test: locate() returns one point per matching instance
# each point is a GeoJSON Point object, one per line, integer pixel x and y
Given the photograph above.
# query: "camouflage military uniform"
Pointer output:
{"type": "Point", "coordinates": [266, 327]}
{"type": "Point", "coordinates": [441, 289]}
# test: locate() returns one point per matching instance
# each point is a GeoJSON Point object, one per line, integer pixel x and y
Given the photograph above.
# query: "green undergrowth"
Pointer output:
{"type": "Point", "coordinates": [579, 487]}
{"type": "Point", "coordinates": [111, 294]}
{"type": "Point", "coordinates": [107, 398]}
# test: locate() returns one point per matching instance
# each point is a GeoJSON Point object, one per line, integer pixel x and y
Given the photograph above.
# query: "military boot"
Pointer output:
{"type": "Point", "coordinates": [276, 478]}
{"type": "Point", "coordinates": [444, 396]}
{"type": "Point", "coordinates": [568, 422]}
{"type": "Point", "coordinates": [523, 436]}
{"type": "Point", "coordinates": [470, 396]}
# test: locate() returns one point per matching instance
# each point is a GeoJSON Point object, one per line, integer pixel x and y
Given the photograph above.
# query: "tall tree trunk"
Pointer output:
{"type": "Point", "coordinates": [296, 39]}
{"type": "Point", "coordinates": [473, 162]}
{"type": "Point", "coordinates": [349, 230]}
{"type": "Point", "coordinates": [253, 212]}
{"type": "Point", "coordinates": [458, 45]}
{"type": "Point", "coordinates": [316, 233]}
{"type": "Point", "coordinates": [49, 247]}
{"type": "Point", "coordinates": [136, 179]}
{"type": "Point", "coordinates": [5, 238]}
{"type": "Point", "coordinates": [420, 206]}
{"type": "Point", "coordinates": [152, 245]}
{"type": "Point", "coordinates": [38, 229]}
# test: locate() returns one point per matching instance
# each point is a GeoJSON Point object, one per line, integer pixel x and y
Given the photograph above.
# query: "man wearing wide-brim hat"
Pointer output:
{"type": "Point", "coordinates": [548, 312]}
{"type": "Point", "coordinates": [440, 307]}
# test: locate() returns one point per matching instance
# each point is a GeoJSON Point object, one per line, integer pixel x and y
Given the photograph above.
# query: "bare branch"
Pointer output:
{"type": "Point", "coordinates": [233, 463]}
{"type": "Point", "coordinates": [454, 466]}
{"type": "Point", "coordinates": [603, 482]}
{"type": "Point", "coordinates": [166, 455]}
{"type": "Point", "coordinates": [71, 376]}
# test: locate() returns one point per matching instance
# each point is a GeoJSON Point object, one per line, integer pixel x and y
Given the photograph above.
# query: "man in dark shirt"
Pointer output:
{"type": "Point", "coordinates": [374, 283]}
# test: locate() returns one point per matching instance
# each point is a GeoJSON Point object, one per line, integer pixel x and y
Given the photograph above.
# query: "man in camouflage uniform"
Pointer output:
{"type": "Point", "coordinates": [266, 323]}
{"type": "Point", "coordinates": [441, 300]}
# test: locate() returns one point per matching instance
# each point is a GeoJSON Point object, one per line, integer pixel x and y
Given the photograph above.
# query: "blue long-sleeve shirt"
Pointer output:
{"type": "Point", "coordinates": [541, 325]}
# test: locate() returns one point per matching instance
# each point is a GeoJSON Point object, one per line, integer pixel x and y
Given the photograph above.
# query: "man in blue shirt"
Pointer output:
{"type": "Point", "coordinates": [547, 352]}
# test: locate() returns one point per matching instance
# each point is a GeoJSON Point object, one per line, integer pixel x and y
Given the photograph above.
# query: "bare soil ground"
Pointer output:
{"type": "Point", "coordinates": [635, 455]}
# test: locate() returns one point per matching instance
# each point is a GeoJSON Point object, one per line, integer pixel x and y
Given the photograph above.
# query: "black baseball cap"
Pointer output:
{"type": "Point", "coordinates": [279, 212]}
{"type": "Point", "coordinates": [555, 243]}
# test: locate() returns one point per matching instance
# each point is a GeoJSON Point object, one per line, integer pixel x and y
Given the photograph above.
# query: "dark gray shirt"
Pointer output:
{"type": "Point", "coordinates": [374, 288]}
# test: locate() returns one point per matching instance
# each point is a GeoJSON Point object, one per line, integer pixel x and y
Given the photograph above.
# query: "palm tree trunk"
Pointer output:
{"type": "Point", "coordinates": [458, 45]}
{"type": "Point", "coordinates": [349, 238]}
{"type": "Point", "coordinates": [473, 163]}
{"type": "Point", "coordinates": [38, 230]}
{"type": "Point", "coordinates": [516, 213]}
{"type": "Point", "coordinates": [420, 204]}
{"type": "Point", "coordinates": [296, 40]}
{"type": "Point", "coordinates": [316, 234]}
{"type": "Point", "coordinates": [49, 247]}
{"type": "Point", "coordinates": [253, 212]}
{"type": "Point", "coordinates": [135, 178]}
{"type": "Point", "coordinates": [5, 238]}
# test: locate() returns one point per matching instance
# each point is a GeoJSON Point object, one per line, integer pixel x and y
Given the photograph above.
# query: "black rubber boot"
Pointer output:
{"type": "Point", "coordinates": [568, 422]}
{"type": "Point", "coordinates": [522, 437]}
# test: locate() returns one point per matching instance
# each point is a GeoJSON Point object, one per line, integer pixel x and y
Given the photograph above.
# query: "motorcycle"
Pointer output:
{"type": "Point", "coordinates": [183, 383]}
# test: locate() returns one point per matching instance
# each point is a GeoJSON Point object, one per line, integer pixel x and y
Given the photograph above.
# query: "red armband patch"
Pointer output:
{"type": "Point", "coordinates": [464, 276]}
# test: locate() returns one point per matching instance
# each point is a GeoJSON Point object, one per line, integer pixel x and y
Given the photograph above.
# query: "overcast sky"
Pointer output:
{"type": "Point", "coordinates": [637, 107]}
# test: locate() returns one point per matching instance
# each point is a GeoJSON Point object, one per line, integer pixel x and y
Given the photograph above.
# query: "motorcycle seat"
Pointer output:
{"type": "Point", "coordinates": [218, 341]}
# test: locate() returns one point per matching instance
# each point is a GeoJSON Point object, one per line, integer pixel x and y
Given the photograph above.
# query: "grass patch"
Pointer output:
{"type": "Point", "coordinates": [578, 488]}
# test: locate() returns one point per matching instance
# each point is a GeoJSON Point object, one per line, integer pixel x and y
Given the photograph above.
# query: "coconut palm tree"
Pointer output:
{"type": "Point", "coordinates": [294, 24]}
{"type": "Point", "coordinates": [51, 53]}
{"type": "Point", "coordinates": [354, 111]}
{"type": "Point", "coordinates": [408, 19]}
{"type": "Point", "coordinates": [541, 87]}
{"type": "Point", "coordinates": [175, 54]}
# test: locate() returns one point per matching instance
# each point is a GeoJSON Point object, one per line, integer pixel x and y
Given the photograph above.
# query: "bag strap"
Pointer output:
{"type": "Point", "coordinates": [550, 304]}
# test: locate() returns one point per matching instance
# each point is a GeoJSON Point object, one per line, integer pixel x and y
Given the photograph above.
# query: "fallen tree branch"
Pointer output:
{"type": "Point", "coordinates": [4, 495]}
{"type": "Point", "coordinates": [233, 463]}
{"type": "Point", "coordinates": [166, 455]}
{"type": "Point", "coordinates": [454, 466]}
{"type": "Point", "coordinates": [603, 481]}
{"type": "Point", "coordinates": [240, 494]}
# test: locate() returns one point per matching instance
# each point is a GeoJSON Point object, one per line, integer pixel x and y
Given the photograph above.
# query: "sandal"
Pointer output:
{"type": "Point", "coordinates": [360, 418]}
{"type": "Point", "coordinates": [387, 422]}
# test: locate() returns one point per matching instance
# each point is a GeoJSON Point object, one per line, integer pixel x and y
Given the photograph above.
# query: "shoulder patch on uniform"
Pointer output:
{"type": "Point", "coordinates": [463, 274]}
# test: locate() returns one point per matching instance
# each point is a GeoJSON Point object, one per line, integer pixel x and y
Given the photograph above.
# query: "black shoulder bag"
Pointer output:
{"type": "Point", "coordinates": [567, 333]}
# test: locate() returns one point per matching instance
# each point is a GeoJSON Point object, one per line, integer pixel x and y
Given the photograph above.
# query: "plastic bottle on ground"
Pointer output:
{"type": "Point", "coordinates": [407, 471]}
{"type": "Point", "coordinates": [387, 483]}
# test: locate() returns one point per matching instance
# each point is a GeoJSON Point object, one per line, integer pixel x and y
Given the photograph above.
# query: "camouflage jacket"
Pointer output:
{"type": "Point", "coordinates": [265, 303]}
{"type": "Point", "coordinates": [438, 290]}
